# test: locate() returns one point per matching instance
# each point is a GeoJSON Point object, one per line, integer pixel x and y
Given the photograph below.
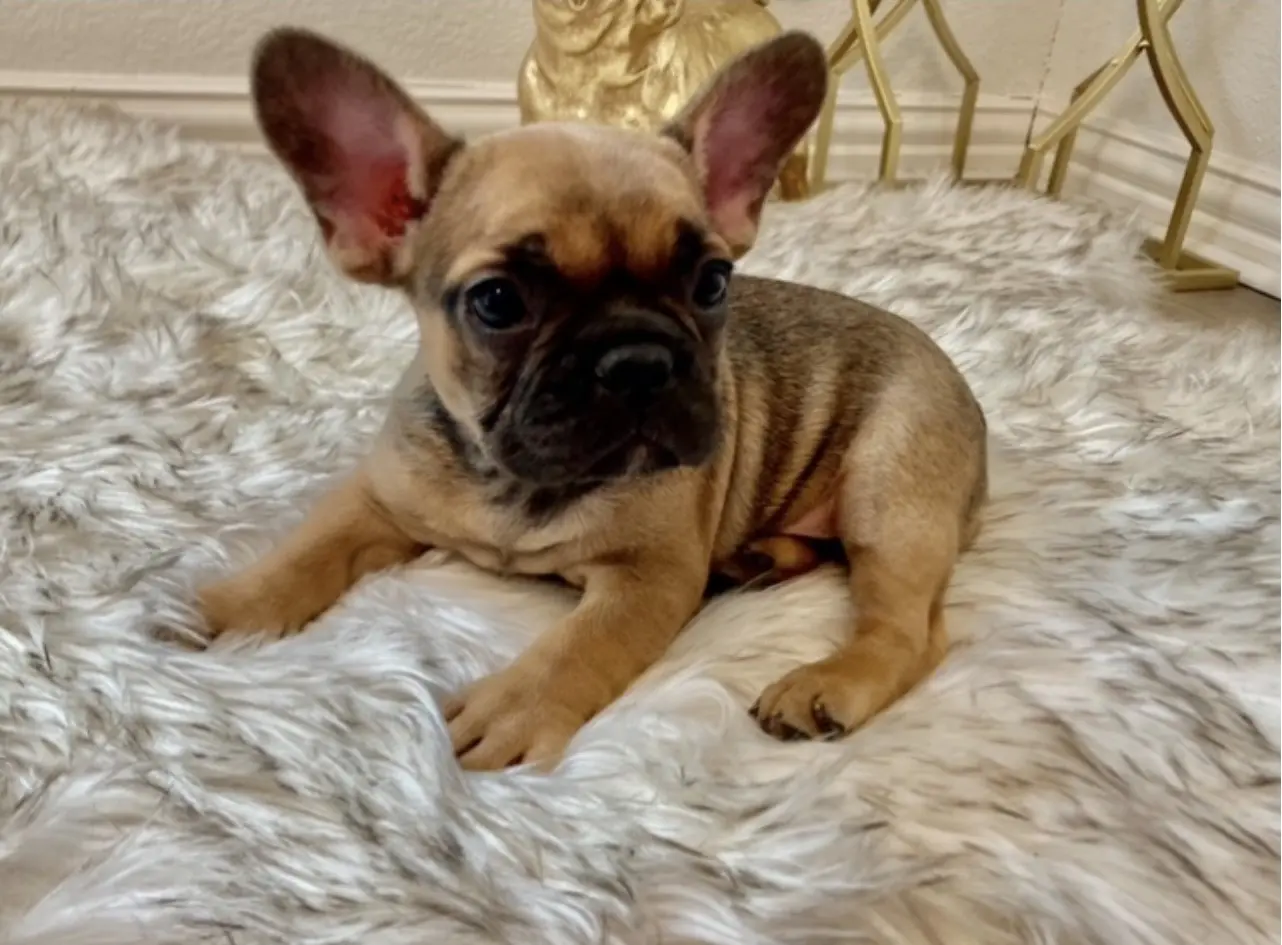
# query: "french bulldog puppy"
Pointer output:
{"type": "Point", "coordinates": [597, 397]}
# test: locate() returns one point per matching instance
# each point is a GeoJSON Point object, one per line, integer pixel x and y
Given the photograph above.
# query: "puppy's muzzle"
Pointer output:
{"type": "Point", "coordinates": [630, 393]}
{"type": "Point", "coordinates": [637, 371]}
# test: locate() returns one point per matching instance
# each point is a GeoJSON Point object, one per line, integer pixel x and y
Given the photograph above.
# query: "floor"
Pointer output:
{"type": "Point", "coordinates": [1239, 303]}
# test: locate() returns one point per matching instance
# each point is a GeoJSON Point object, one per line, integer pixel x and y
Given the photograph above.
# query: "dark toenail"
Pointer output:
{"type": "Point", "coordinates": [790, 734]}
{"type": "Point", "coordinates": [827, 725]}
{"type": "Point", "coordinates": [755, 708]}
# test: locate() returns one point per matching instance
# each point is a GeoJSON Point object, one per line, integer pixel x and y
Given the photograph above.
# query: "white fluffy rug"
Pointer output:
{"type": "Point", "coordinates": [1097, 762]}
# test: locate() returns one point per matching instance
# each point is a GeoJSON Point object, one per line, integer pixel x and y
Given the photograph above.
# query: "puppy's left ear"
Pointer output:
{"type": "Point", "coordinates": [741, 127]}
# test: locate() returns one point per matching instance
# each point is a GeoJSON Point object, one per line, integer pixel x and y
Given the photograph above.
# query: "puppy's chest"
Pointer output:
{"type": "Point", "coordinates": [498, 542]}
{"type": "Point", "coordinates": [493, 531]}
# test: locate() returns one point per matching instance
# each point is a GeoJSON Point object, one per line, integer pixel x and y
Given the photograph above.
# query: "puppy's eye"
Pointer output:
{"type": "Point", "coordinates": [495, 302]}
{"type": "Point", "coordinates": [712, 284]}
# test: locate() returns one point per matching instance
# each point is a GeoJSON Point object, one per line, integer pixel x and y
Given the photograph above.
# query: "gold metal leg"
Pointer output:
{"type": "Point", "coordinates": [879, 79]}
{"type": "Point", "coordinates": [854, 49]}
{"type": "Point", "coordinates": [838, 51]}
{"type": "Point", "coordinates": [1064, 150]}
{"type": "Point", "coordinates": [1092, 91]}
{"type": "Point", "coordinates": [970, 83]}
{"type": "Point", "coordinates": [1185, 270]}
{"type": "Point", "coordinates": [861, 38]}
{"type": "Point", "coordinates": [839, 63]}
{"type": "Point", "coordinates": [1182, 101]}
{"type": "Point", "coordinates": [822, 142]}
{"type": "Point", "coordinates": [1172, 80]}
{"type": "Point", "coordinates": [794, 181]}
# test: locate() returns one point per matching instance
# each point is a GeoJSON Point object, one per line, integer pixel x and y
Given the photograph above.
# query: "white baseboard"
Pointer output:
{"type": "Point", "coordinates": [1236, 222]}
{"type": "Point", "coordinates": [218, 110]}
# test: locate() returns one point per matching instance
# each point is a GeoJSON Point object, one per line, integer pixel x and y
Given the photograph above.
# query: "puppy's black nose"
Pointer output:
{"type": "Point", "coordinates": [642, 368]}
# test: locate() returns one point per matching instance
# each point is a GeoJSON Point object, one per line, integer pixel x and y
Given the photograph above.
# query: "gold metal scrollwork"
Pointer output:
{"type": "Point", "coordinates": [862, 38]}
{"type": "Point", "coordinates": [1185, 270]}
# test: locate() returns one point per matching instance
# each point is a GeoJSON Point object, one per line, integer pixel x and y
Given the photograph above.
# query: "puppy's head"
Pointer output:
{"type": "Point", "coordinates": [571, 281]}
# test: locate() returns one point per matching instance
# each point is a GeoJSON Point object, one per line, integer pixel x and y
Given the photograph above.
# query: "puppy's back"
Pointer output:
{"type": "Point", "coordinates": [809, 366]}
{"type": "Point", "coordinates": [795, 338]}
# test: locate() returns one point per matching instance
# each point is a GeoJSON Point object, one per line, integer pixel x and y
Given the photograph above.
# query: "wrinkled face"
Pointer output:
{"type": "Point", "coordinates": [573, 296]}
{"type": "Point", "coordinates": [571, 281]}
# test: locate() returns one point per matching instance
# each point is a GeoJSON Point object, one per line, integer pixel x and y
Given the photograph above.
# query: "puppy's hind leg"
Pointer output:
{"type": "Point", "coordinates": [773, 560]}
{"type": "Point", "coordinates": [906, 500]}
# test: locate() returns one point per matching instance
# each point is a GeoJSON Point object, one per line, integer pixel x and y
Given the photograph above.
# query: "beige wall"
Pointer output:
{"type": "Point", "coordinates": [436, 39]}
{"type": "Point", "coordinates": [450, 39]}
{"type": "Point", "coordinates": [1022, 48]}
{"type": "Point", "coordinates": [1229, 49]}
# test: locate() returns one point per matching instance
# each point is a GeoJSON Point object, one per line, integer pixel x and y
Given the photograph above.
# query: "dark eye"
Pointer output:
{"type": "Point", "coordinates": [712, 284]}
{"type": "Point", "coordinates": [495, 302]}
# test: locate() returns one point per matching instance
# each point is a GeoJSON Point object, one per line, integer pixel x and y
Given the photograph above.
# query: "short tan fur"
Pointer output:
{"type": "Point", "coordinates": [594, 398]}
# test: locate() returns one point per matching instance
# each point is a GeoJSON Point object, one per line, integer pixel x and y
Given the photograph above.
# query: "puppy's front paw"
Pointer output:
{"type": "Point", "coordinates": [513, 717]}
{"type": "Point", "coordinates": [235, 607]}
{"type": "Point", "coordinates": [820, 700]}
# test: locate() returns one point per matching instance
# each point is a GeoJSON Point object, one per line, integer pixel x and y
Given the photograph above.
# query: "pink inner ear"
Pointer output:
{"type": "Point", "coordinates": [367, 175]}
{"type": "Point", "coordinates": [738, 157]}
{"type": "Point", "coordinates": [733, 147]}
{"type": "Point", "coordinates": [386, 192]}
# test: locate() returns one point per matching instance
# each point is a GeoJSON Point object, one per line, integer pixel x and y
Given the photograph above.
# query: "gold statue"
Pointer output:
{"type": "Point", "coordinates": [635, 63]}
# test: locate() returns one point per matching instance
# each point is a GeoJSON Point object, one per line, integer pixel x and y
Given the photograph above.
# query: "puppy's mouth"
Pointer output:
{"type": "Point", "coordinates": [646, 454]}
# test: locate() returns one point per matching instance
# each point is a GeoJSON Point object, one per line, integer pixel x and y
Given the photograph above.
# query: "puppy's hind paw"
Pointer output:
{"type": "Point", "coordinates": [822, 700]}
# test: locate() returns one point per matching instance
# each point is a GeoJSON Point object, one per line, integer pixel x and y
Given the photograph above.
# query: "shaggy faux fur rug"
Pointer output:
{"type": "Point", "coordinates": [1096, 762]}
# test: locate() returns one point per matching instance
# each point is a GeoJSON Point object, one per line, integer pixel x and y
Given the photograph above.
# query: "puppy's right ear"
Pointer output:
{"type": "Point", "coordinates": [367, 159]}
